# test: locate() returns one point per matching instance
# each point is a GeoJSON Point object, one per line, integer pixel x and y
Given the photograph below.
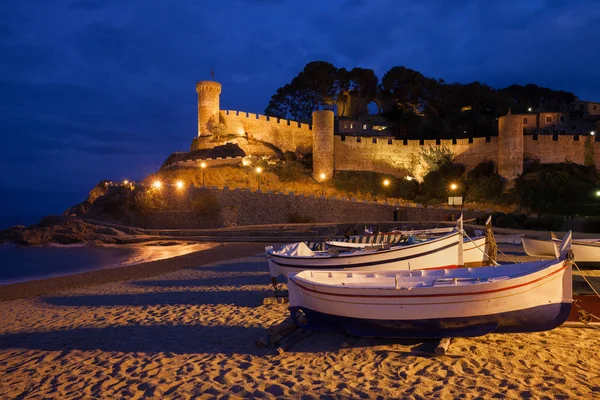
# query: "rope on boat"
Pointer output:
{"type": "Point", "coordinates": [586, 316]}
{"type": "Point", "coordinates": [479, 248]}
{"type": "Point", "coordinates": [585, 279]}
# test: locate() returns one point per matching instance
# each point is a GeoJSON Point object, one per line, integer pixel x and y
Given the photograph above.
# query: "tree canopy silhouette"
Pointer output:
{"type": "Point", "coordinates": [414, 105]}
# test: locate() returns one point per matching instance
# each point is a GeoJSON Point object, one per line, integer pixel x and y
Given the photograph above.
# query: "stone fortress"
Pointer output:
{"type": "Point", "coordinates": [546, 137]}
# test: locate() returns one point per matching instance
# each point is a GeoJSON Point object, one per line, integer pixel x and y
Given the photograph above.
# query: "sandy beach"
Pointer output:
{"type": "Point", "coordinates": [189, 331]}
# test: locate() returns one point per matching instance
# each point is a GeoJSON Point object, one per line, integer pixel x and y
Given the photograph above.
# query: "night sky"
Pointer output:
{"type": "Point", "coordinates": [105, 89]}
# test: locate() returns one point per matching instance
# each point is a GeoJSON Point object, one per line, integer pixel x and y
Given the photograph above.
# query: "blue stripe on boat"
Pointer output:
{"type": "Point", "coordinates": [535, 319]}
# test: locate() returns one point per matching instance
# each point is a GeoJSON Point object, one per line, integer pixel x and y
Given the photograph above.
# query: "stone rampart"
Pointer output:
{"type": "Point", "coordinates": [548, 150]}
{"type": "Point", "coordinates": [244, 207]}
{"type": "Point", "coordinates": [284, 134]}
{"type": "Point", "coordinates": [400, 158]}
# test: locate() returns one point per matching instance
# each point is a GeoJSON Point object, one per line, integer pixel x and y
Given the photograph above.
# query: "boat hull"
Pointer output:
{"type": "Point", "coordinates": [532, 297]}
{"type": "Point", "coordinates": [584, 250]}
{"type": "Point", "coordinates": [534, 319]}
{"type": "Point", "coordinates": [435, 254]}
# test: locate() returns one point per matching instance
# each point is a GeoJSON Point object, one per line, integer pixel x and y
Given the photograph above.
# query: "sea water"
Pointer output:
{"type": "Point", "coordinates": [20, 264]}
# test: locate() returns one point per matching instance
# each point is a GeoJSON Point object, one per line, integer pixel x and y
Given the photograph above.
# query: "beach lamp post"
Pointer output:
{"type": "Point", "coordinates": [203, 167]}
{"type": "Point", "coordinates": [322, 176]}
{"type": "Point", "coordinates": [258, 172]}
{"type": "Point", "coordinates": [454, 200]}
{"type": "Point", "coordinates": [386, 185]}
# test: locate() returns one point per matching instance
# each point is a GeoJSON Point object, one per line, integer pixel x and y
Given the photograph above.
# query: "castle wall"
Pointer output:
{"type": "Point", "coordinates": [244, 207]}
{"type": "Point", "coordinates": [548, 151]}
{"type": "Point", "coordinates": [400, 158]}
{"type": "Point", "coordinates": [281, 133]}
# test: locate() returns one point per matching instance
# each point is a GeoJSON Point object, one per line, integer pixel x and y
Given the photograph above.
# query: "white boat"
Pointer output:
{"type": "Point", "coordinates": [466, 302]}
{"type": "Point", "coordinates": [439, 252]}
{"type": "Point", "coordinates": [584, 250]}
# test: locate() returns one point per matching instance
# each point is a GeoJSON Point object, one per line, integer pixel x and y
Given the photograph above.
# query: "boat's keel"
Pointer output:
{"type": "Point", "coordinates": [541, 318]}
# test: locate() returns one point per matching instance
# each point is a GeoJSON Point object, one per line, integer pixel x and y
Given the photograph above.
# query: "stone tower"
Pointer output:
{"type": "Point", "coordinates": [322, 127]}
{"type": "Point", "coordinates": [209, 93]}
{"type": "Point", "coordinates": [510, 147]}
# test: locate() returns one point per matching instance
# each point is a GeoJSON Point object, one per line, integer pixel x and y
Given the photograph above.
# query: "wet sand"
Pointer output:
{"type": "Point", "coordinates": [190, 333]}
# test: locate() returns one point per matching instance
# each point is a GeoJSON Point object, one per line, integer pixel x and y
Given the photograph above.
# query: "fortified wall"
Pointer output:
{"type": "Point", "coordinates": [284, 134]}
{"type": "Point", "coordinates": [398, 158]}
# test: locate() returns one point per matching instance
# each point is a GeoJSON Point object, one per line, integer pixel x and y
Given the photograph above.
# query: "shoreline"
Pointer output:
{"type": "Point", "coordinates": [44, 286]}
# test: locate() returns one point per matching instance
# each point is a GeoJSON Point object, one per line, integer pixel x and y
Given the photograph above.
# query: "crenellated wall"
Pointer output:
{"type": "Point", "coordinates": [402, 157]}
{"type": "Point", "coordinates": [281, 133]}
{"type": "Point", "coordinates": [565, 148]}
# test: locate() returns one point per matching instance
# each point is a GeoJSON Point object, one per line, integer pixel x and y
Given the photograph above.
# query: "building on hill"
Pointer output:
{"type": "Point", "coordinates": [373, 125]}
{"type": "Point", "coordinates": [556, 123]}
{"type": "Point", "coordinates": [338, 145]}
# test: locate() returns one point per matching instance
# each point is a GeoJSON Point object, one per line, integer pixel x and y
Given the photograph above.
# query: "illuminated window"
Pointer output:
{"type": "Point", "coordinates": [345, 126]}
{"type": "Point", "coordinates": [364, 127]}
{"type": "Point", "coordinates": [351, 126]}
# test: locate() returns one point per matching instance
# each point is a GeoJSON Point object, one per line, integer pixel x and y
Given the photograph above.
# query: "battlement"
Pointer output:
{"type": "Point", "coordinates": [266, 118]}
{"type": "Point", "coordinates": [208, 86]}
{"type": "Point", "coordinates": [385, 141]}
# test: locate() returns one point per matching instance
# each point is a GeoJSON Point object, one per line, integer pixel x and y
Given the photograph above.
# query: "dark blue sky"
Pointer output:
{"type": "Point", "coordinates": [104, 89]}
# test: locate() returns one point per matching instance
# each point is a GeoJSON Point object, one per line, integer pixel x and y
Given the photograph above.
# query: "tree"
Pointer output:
{"type": "Point", "coordinates": [312, 89]}
{"type": "Point", "coordinates": [435, 157]}
{"type": "Point", "coordinates": [362, 86]}
{"type": "Point", "coordinates": [404, 88]}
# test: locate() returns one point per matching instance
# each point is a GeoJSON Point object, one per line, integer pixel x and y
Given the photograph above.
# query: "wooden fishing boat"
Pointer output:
{"type": "Point", "coordinates": [586, 251]}
{"type": "Point", "coordinates": [466, 302]}
{"type": "Point", "coordinates": [439, 252]}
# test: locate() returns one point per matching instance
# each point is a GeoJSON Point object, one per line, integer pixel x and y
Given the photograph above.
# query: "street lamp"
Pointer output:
{"type": "Point", "coordinates": [258, 171]}
{"type": "Point", "coordinates": [529, 109]}
{"type": "Point", "coordinates": [179, 185]}
{"type": "Point", "coordinates": [597, 193]}
{"type": "Point", "coordinates": [386, 184]}
{"type": "Point", "coordinates": [592, 133]}
{"type": "Point", "coordinates": [157, 184]}
{"type": "Point", "coordinates": [453, 186]}
{"type": "Point", "coordinates": [322, 176]}
{"type": "Point", "coordinates": [203, 166]}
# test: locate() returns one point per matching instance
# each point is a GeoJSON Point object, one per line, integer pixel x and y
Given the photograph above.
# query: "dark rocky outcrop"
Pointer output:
{"type": "Point", "coordinates": [64, 229]}
{"type": "Point", "coordinates": [98, 191]}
